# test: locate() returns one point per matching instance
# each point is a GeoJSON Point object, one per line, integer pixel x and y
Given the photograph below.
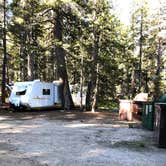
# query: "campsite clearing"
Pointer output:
{"type": "Point", "coordinates": [50, 138]}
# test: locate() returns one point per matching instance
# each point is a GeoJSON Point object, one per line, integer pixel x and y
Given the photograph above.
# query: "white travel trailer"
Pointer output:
{"type": "Point", "coordinates": [35, 94]}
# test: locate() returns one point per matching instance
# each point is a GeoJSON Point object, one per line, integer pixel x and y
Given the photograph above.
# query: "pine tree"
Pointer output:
{"type": "Point", "coordinates": [4, 64]}
{"type": "Point", "coordinates": [26, 32]}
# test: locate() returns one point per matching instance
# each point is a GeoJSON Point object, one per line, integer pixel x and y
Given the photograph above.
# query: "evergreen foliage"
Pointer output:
{"type": "Point", "coordinates": [84, 42]}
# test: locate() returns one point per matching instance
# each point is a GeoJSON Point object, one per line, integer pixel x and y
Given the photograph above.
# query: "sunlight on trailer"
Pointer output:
{"type": "Point", "coordinates": [35, 94]}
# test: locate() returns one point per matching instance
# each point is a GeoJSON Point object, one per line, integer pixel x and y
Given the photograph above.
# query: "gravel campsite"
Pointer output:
{"type": "Point", "coordinates": [57, 138]}
{"type": "Point", "coordinates": [82, 83]}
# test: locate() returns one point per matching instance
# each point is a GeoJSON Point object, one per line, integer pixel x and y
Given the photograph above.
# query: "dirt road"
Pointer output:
{"type": "Point", "coordinates": [55, 138]}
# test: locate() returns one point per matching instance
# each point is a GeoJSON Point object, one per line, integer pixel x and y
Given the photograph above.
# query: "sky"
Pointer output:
{"type": "Point", "coordinates": [124, 7]}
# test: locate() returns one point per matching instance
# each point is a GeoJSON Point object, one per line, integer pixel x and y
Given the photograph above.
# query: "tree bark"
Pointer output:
{"type": "Point", "coordinates": [158, 78]}
{"type": "Point", "coordinates": [92, 79]}
{"type": "Point", "coordinates": [140, 51]}
{"type": "Point", "coordinates": [92, 91]}
{"type": "Point", "coordinates": [23, 54]}
{"type": "Point", "coordinates": [67, 102]}
{"type": "Point", "coordinates": [94, 103]}
{"type": "Point", "coordinates": [81, 79]}
{"type": "Point", "coordinates": [4, 55]}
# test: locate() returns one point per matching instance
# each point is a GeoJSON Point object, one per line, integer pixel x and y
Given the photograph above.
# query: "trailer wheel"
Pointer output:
{"type": "Point", "coordinates": [15, 108]}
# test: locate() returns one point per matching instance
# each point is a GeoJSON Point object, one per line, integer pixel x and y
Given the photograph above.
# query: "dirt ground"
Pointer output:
{"type": "Point", "coordinates": [57, 138]}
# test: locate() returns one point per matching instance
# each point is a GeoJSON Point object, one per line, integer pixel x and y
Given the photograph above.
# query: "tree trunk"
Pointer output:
{"type": "Point", "coordinates": [88, 96]}
{"type": "Point", "coordinates": [4, 55]}
{"type": "Point", "coordinates": [23, 55]}
{"type": "Point", "coordinates": [94, 103]}
{"type": "Point", "coordinates": [92, 79]}
{"type": "Point", "coordinates": [91, 95]}
{"type": "Point", "coordinates": [66, 97]}
{"type": "Point", "coordinates": [133, 79]}
{"type": "Point", "coordinates": [81, 80]}
{"type": "Point", "coordinates": [31, 55]}
{"type": "Point", "coordinates": [128, 82]}
{"type": "Point", "coordinates": [158, 78]}
{"type": "Point", "coordinates": [30, 67]}
{"type": "Point", "coordinates": [140, 51]}
{"type": "Point", "coordinates": [23, 67]}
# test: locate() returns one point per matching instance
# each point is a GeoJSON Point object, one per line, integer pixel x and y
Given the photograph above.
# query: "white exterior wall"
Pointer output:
{"type": "Point", "coordinates": [56, 94]}
{"type": "Point", "coordinates": [36, 97]}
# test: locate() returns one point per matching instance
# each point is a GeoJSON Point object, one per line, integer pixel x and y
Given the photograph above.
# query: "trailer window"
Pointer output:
{"type": "Point", "coordinates": [46, 91]}
{"type": "Point", "coordinates": [21, 93]}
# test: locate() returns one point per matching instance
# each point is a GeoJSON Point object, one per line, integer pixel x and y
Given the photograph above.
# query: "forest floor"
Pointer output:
{"type": "Point", "coordinates": [57, 138]}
